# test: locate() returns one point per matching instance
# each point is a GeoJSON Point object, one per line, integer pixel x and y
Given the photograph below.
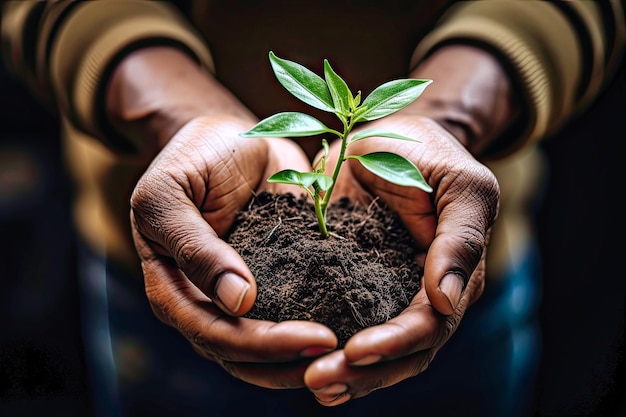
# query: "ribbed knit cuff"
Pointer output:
{"type": "Point", "coordinates": [537, 73]}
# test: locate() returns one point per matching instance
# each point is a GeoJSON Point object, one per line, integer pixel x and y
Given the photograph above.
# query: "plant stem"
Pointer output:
{"type": "Point", "coordinates": [347, 127]}
{"type": "Point", "coordinates": [321, 216]}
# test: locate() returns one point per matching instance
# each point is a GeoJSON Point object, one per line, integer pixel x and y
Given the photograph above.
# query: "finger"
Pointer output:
{"type": "Point", "coordinates": [458, 250]}
{"type": "Point", "coordinates": [288, 375]}
{"type": "Point", "coordinates": [419, 327]}
{"type": "Point", "coordinates": [333, 381]}
{"type": "Point", "coordinates": [211, 264]}
{"type": "Point", "coordinates": [179, 303]}
{"type": "Point", "coordinates": [383, 355]}
{"type": "Point", "coordinates": [165, 212]}
{"type": "Point", "coordinates": [274, 375]}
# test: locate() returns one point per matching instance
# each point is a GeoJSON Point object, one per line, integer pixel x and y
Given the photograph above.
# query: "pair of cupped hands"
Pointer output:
{"type": "Point", "coordinates": [186, 201]}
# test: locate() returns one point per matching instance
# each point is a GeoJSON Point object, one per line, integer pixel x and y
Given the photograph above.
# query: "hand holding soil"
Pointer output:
{"type": "Point", "coordinates": [185, 205]}
{"type": "Point", "coordinates": [453, 228]}
{"type": "Point", "coordinates": [465, 199]}
{"type": "Point", "coordinates": [182, 208]}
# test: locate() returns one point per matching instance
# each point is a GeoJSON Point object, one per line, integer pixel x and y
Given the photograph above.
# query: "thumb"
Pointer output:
{"type": "Point", "coordinates": [455, 262]}
{"type": "Point", "coordinates": [178, 232]}
{"type": "Point", "coordinates": [447, 271]}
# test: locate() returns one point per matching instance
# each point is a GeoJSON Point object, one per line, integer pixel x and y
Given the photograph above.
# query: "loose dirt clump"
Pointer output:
{"type": "Point", "coordinates": [363, 275]}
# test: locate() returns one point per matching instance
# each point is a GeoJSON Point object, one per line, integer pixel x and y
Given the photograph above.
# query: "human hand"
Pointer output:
{"type": "Point", "coordinates": [180, 209]}
{"type": "Point", "coordinates": [451, 228]}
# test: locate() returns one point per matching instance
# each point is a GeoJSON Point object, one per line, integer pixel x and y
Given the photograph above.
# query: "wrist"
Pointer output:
{"type": "Point", "coordinates": [154, 91]}
{"type": "Point", "coordinates": [471, 95]}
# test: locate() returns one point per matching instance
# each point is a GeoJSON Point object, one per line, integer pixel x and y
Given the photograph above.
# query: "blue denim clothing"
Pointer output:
{"type": "Point", "coordinates": [141, 367]}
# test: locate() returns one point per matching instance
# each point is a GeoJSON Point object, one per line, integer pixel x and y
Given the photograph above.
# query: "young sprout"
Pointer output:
{"type": "Point", "coordinates": [332, 94]}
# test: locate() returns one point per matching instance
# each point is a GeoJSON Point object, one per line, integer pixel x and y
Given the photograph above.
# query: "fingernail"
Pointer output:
{"type": "Point", "coordinates": [367, 360]}
{"type": "Point", "coordinates": [314, 351]}
{"type": "Point", "coordinates": [452, 286]}
{"type": "Point", "coordinates": [231, 289]}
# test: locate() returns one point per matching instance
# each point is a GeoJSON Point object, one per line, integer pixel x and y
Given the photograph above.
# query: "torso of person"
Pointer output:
{"type": "Point", "coordinates": [366, 42]}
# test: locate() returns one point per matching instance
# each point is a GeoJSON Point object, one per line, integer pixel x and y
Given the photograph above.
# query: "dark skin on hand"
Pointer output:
{"type": "Point", "coordinates": [187, 123]}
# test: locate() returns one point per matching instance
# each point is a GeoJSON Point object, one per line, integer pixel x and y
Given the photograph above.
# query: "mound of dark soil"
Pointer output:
{"type": "Point", "coordinates": [363, 275]}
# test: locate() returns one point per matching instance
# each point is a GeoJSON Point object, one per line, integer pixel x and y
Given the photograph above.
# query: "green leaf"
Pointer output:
{"type": "Point", "coordinates": [303, 179]}
{"type": "Point", "coordinates": [356, 115]}
{"type": "Point", "coordinates": [319, 164]}
{"type": "Point", "coordinates": [356, 101]}
{"type": "Point", "coordinates": [339, 90]}
{"type": "Point", "coordinates": [368, 133]}
{"type": "Point", "coordinates": [393, 168]}
{"type": "Point", "coordinates": [326, 147]}
{"type": "Point", "coordinates": [391, 97]}
{"type": "Point", "coordinates": [287, 176]}
{"type": "Point", "coordinates": [302, 83]}
{"type": "Point", "coordinates": [324, 182]}
{"type": "Point", "coordinates": [287, 125]}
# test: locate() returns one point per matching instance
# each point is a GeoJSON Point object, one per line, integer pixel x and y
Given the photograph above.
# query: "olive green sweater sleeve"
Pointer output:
{"type": "Point", "coordinates": [559, 54]}
{"type": "Point", "coordinates": [66, 50]}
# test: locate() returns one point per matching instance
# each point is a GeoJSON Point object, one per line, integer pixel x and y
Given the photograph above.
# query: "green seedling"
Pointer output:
{"type": "Point", "coordinates": [331, 94]}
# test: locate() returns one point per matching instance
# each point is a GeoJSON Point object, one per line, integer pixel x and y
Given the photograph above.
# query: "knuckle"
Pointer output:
{"type": "Point", "coordinates": [426, 359]}
{"type": "Point", "coordinates": [159, 307]}
{"type": "Point", "coordinates": [451, 323]}
{"type": "Point", "coordinates": [202, 334]}
{"type": "Point", "coordinates": [192, 260]}
{"type": "Point", "coordinates": [447, 326]}
{"type": "Point", "coordinates": [474, 242]}
{"type": "Point", "coordinates": [186, 253]}
{"type": "Point", "coordinates": [476, 187]}
{"type": "Point", "coordinates": [145, 188]}
{"type": "Point", "coordinates": [207, 346]}
{"type": "Point", "coordinates": [149, 203]}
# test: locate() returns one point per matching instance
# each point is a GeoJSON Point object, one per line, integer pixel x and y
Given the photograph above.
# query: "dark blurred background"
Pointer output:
{"type": "Point", "coordinates": [581, 227]}
{"type": "Point", "coordinates": [41, 364]}
{"type": "Point", "coordinates": [580, 224]}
